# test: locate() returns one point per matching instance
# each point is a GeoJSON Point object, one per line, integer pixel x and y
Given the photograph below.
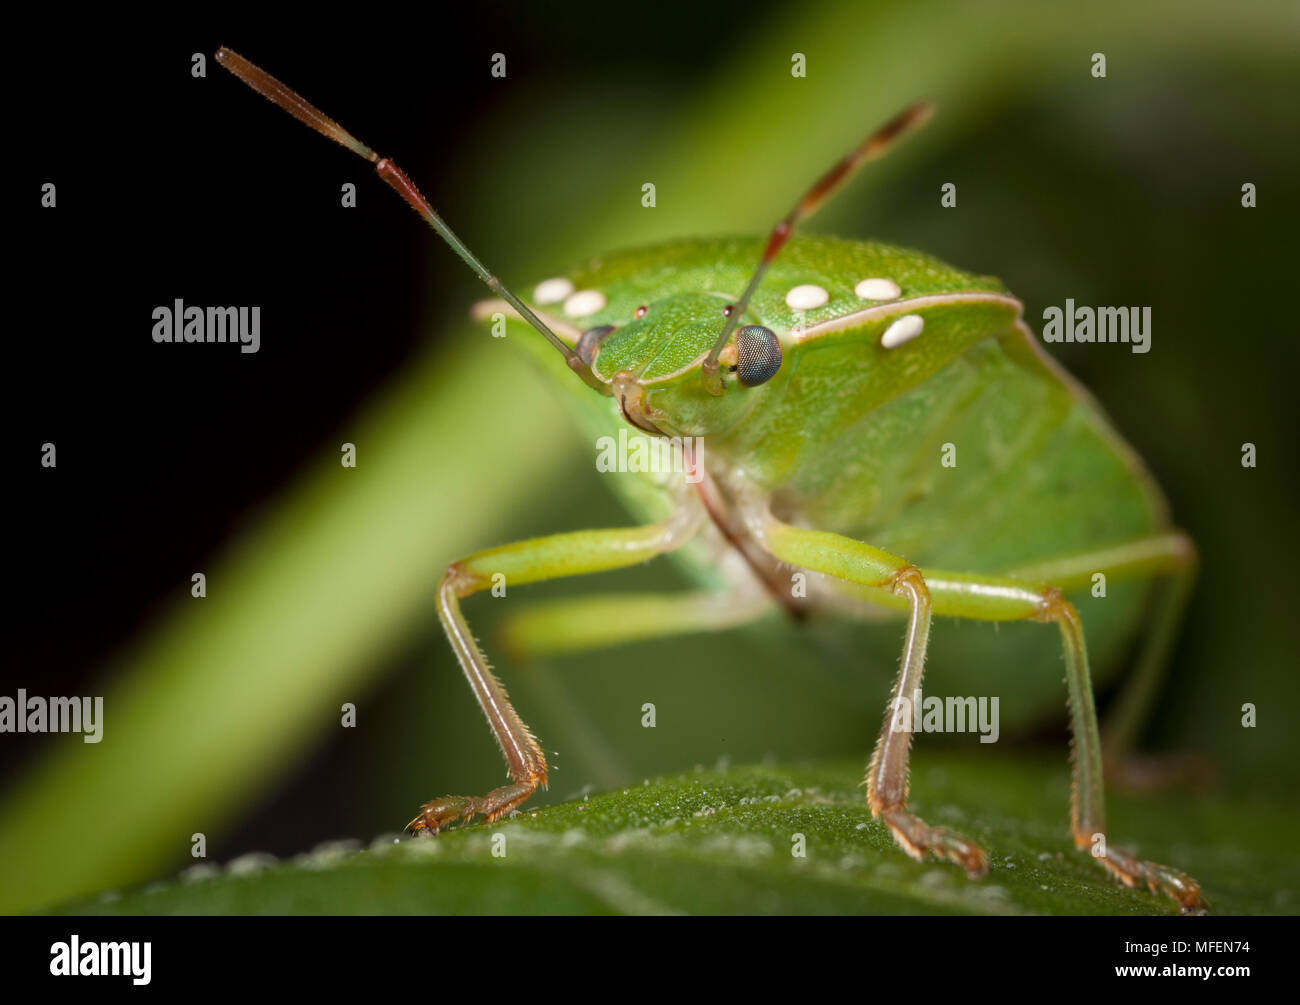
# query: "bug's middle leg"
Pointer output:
{"type": "Point", "coordinates": [579, 624]}
{"type": "Point", "coordinates": [996, 598]}
{"type": "Point", "coordinates": [1170, 556]}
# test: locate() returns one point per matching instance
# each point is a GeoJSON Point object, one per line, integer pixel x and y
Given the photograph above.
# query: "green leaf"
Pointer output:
{"type": "Point", "coordinates": [720, 841]}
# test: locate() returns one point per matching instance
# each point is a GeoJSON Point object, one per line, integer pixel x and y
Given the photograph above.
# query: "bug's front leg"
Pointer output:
{"type": "Point", "coordinates": [887, 774]}
{"type": "Point", "coordinates": [529, 562]}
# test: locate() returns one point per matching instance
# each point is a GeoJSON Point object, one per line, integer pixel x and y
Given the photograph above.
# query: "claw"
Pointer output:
{"type": "Point", "coordinates": [438, 813]}
{"type": "Point", "coordinates": [916, 837]}
{"type": "Point", "coordinates": [1131, 871]}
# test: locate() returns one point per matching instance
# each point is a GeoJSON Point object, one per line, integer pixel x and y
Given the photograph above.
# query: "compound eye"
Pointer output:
{"type": "Point", "coordinates": [590, 342]}
{"type": "Point", "coordinates": [758, 355]}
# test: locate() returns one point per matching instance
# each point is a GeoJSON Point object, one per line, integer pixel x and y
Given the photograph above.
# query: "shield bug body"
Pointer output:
{"type": "Point", "coordinates": [864, 420]}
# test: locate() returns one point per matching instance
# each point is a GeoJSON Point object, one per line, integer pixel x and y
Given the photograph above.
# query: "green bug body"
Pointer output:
{"type": "Point", "coordinates": [848, 434]}
{"type": "Point", "coordinates": [847, 437]}
{"type": "Point", "coordinates": [858, 427]}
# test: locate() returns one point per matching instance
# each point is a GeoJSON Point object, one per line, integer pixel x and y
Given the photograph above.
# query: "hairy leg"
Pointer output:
{"type": "Point", "coordinates": [995, 598]}
{"type": "Point", "coordinates": [516, 564]}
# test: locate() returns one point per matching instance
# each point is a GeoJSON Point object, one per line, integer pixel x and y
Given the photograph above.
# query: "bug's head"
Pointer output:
{"type": "Point", "coordinates": [694, 363]}
{"type": "Point", "coordinates": [653, 362]}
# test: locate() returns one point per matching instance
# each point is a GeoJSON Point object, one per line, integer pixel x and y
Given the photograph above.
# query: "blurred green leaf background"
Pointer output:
{"type": "Point", "coordinates": [222, 716]}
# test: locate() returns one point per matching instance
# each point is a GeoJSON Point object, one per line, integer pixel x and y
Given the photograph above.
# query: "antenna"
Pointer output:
{"type": "Point", "coordinates": [868, 150]}
{"type": "Point", "coordinates": [302, 110]}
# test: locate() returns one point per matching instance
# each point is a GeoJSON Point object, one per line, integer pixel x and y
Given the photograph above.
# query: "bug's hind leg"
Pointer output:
{"type": "Point", "coordinates": [1125, 763]}
{"type": "Point", "coordinates": [530, 562]}
{"type": "Point", "coordinates": [887, 773]}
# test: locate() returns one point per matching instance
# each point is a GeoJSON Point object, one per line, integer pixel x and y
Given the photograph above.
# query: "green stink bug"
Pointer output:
{"type": "Point", "coordinates": [820, 442]}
